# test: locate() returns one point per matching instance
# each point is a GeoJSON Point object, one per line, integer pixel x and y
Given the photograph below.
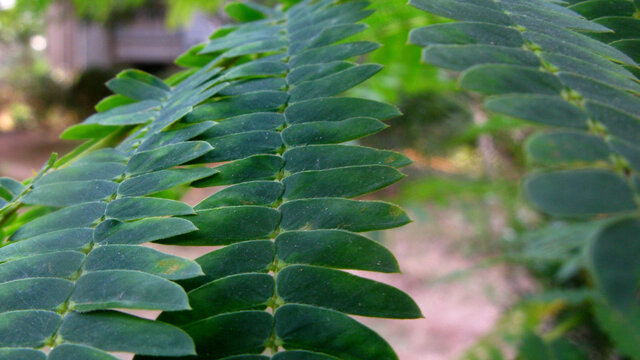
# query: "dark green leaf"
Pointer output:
{"type": "Point", "coordinates": [311, 328]}
{"type": "Point", "coordinates": [166, 156]}
{"type": "Point", "coordinates": [301, 355]}
{"type": "Point", "coordinates": [331, 132]}
{"type": "Point", "coordinates": [260, 101]}
{"type": "Point", "coordinates": [562, 147]}
{"type": "Point", "coordinates": [505, 79]}
{"type": "Point", "coordinates": [621, 124]}
{"type": "Point", "coordinates": [100, 171]}
{"type": "Point", "coordinates": [162, 180]}
{"type": "Point", "coordinates": [27, 328]}
{"type": "Point", "coordinates": [239, 146]}
{"type": "Point", "coordinates": [175, 136]}
{"type": "Point", "coordinates": [462, 57]}
{"type": "Point", "coordinates": [250, 193]}
{"type": "Point", "coordinates": [334, 248]}
{"type": "Point", "coordinates": [72, 239]}
{"type": "Point", "coordinates": [74, 351]}
{"type": "Point", "coordinates": [229, 294]}
{"type": "Point", "coordinates": [333, 84]}
{"type": "Point", "coordinates": [586, 192]}
{"type": "Point", "coordinates": [338, 109]}
{"type": "Point", "coordinates": [141, 231]}
{"type": "Point", "coordinates": [341, 182]}
{"type": "Point", "coordinates": [66, 218]}
{"type": "Point", "coordinates": [242, 332]}
{"type": "Point", "coordinates": [614, 260]}
{"type": "Point", "coordinates": [34, 294]}
{"type": "Point", "coordinates": [548, 110]}
{"type": "Point", "coordinates": [59, 264]}
{"type": "Point", "coordinates": [70, 192]}
{"type": "Point", "coordinates": [244, 123]}
{"type": "Point", "coordinates": [126, 289]}
{"type": "Point", "coordinates": [316, 71]}
{"type": "Point", "coordinates": [332, 53]}
{"type": "Point", "coordinates": [344, 292]}
{"type": "Point", "coordinates": [22, 354]}
{"type": "Point", "coordinates": [128, 257]}
{"type": "Point", "coordinates": [321, 157]}
{"type": "Point", "coordinates": [113, 331]}
{"type": "Point", "coordinates": [132, 208]}
{"type": "Point", "coordinates": [248, 256]}
{"type": "Point", "coordinates": [226, 225]}
{"type": "Point", "coordinates": [257, 167]}
{"type": "Point", "coordinates": [338, 213]}
{"type": "Point", "coordinates": [464, 33]}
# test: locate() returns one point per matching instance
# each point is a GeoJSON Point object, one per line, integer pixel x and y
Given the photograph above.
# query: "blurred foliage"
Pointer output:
{"type": "Point", "coordinates": [404, 74]}
{"type": "Point", "coordinates": [427, 129]}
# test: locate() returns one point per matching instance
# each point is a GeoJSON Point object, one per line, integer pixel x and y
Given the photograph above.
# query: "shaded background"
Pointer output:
{"type": "Point", "coordinates": [462, 191]}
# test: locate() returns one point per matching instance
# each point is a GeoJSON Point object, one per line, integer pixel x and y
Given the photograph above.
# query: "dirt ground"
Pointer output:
{"type": "Point", "coordinates": [456, 313]}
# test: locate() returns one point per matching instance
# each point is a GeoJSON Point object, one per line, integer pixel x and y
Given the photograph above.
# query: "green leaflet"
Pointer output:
{"type": "Point", "coordinates": [126, 289]}
{"type": "Point", "coordinates": [244, 123]}
{"type": "Point", "coordinates": [58, 264]}
{"type": "Point", "coordinates": [495, 79]}
{"type": "Point", "coordinates": [580, 193]}
{"type": "Point", "coordinates": [566, 147]}
{"type": "Point", "coordinates": [331, 132]}
{"type": "Point", "coordinates": [161, 180]}
{"type": "Point", "coordinates": [70, 193]}
{"type": "Point", "coordinates": [338, 109]}
{"type": "Point", "coordinates": [464, 33]}
{"type": "Point", "coordinates": [33, 327]}
{"type": "Point", "coordinates": [614, 264]}
{"type": "Point", "coordinates": [245, 257]}
{"type": "Point", "coordinates": [228, 294]}
{"type": "Point", "coordinates": [298, 284]}
{"type": "Point", "coordinates": [226, 225]}
{"type": "Point", "coordinates": [22, 354]}
{"type": "Point", "coordinates": [73, 351]}
{"type": "Point", "coordinates": [322, 157]}
{"type": "Point", "coordinates": [84, 172]}
{"type": "Point", "coordinates": [302, 355]}
{"type": "Point", "coordinates": [335, 249]}
{"type": "Point", "coordinates": [459, 58]}
{"type": "Point", "coordinates": [141, 231]}
{"type": "Point", "coordinates": [132, 208]}
{"type": "Point", "coordinates": [125, 333]}
{"type": "Point", "coordinates": [543, 109]}
{"type": "Point", "coordinates": [231, 333]}
{"type": "Point", "coordinates": [166, 156]}
{"type": "Point", "coordinates": [249, 193]}
{"type": "Point", "coordinates": [75, 239]}
{"type": "Point", "coordinates": [344, 182]}
{"type": "Point", "coordinates": [333, 84]}
{"type": "Point", "coordinates": [70, 217]}
{"type": "Point", "coordinates": [257, 167]}
{"type": "Point", "coordinates": [127, 257]}
{"type": "Point", "coordinates": [336, 213]}
{"type": "Point", "coordinates": [341, 336]}
{"type": "Point", "coordinates": [29, 294]}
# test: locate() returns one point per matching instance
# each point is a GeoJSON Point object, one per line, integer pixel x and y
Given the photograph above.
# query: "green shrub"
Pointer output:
{"type": "Point", "coordinates": [254, 111]}
{"type": "Point", "coordinates": [542, 62]}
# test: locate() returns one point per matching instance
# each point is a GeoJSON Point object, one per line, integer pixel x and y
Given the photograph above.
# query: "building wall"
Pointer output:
{"type": "Point", "coordinates": [76, 45]}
